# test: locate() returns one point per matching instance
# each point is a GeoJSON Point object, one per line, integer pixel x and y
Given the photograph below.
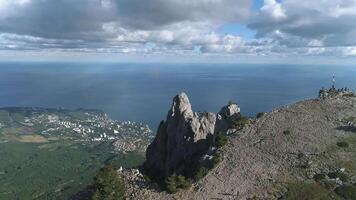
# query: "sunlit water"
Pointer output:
{"type": "Point", "coordinates": [143, 92]}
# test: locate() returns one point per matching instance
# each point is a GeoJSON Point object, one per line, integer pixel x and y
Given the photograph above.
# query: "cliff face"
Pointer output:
{"type": "Point", "coordinates": [183, 138]}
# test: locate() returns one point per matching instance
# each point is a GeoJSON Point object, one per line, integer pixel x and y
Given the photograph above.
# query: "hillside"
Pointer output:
{"type": "Point", "coordinates": [300, 151]}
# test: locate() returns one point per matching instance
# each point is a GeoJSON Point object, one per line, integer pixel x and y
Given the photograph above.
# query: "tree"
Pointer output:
{"type": "Point", "coordinates": [109, 185]}
{"type": "Point", "coordinates": [176, 182]}
{"type": "Point", "coordinates": [221, 139]}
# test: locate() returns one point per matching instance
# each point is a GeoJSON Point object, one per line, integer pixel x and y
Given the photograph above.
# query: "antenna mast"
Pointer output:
{"type": "Point", "coordinates": [333, 86]}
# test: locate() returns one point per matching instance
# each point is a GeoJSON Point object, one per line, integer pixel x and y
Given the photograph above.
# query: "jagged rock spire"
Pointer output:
{"type": "Point", "coordinates": [182, 139]}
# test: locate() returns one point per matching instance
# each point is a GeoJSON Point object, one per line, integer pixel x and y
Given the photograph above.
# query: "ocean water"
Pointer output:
{"type": "Point", "coordinates": [143, 92]}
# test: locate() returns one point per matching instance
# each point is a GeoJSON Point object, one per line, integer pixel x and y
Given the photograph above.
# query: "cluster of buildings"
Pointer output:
{"type": "Point", "coordinates": [94, 128]}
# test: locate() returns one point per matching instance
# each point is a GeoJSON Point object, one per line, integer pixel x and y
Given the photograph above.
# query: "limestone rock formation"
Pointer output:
{"type": "Point", "coordinates": [181, 140]}
{"type": "Point", "coordinates": [225, 115]}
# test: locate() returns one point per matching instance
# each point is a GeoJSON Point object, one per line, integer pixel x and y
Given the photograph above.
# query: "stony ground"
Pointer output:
{"type": "Point", "coordinates": [287, 145]}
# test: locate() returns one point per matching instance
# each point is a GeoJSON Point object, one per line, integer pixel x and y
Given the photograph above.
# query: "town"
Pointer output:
{"type": "Point", "coordinates": [86, 126]}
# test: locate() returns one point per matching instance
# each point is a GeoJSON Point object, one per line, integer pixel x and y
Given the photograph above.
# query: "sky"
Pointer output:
{"type": "Point", "coordinates": [258, 31]}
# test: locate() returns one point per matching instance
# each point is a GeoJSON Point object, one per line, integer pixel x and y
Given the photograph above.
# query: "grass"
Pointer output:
{"type": "Point", "coordinates": [350, 119]}
{"type": "Point", "coordinates": [346, 191]}
{"type": "Point", "coordinates": [309, 191]}
{"type": "Point", "coordinates": [342, 144]}
{"type": "Point", "coordinates": [350, 165]}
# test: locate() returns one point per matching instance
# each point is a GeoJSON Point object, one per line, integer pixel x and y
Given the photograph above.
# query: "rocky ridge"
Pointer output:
{"type": "Point", "coordinates": [288, 145]}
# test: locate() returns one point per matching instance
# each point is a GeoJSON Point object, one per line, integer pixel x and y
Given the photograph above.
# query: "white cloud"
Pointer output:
{"type": "Point", "coordinates": [283, 27]}
{"type": "Point", "coordinates": [273, 9]}
{"type": "Point", "coordinates": [349, 51]}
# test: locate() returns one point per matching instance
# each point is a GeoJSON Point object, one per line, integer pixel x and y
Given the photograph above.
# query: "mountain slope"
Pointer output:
{"type": "Point", "coordinates": [285, 147]}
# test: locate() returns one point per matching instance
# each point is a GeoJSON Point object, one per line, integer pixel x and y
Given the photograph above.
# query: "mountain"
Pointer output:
{"type": "Point", "coordinates": [183, 139]}
{"type": "Point", "coordinates": [306, 150]}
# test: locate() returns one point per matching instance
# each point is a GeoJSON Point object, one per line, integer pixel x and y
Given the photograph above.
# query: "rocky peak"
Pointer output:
{"type": "Point", "coordinates": [225, 115]}
{"type": "Point", "coordinates": [229, 110]}
{"type": "Point", "coordinates": [181, 106]}
{"type": "Point", "coordinates": [183, 138]}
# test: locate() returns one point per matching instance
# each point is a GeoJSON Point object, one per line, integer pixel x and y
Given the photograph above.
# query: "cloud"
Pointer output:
{"type": "Point", "coordinates": [116, 25]}
{"type": "Point", "coordinates": [329, 21]}
{"type": "Point", "coordinates": [90, 19]}
{"type": "Point", "coordinates": [283, 27]}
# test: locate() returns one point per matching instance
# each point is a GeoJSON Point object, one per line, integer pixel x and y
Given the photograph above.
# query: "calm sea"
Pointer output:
{"type": "Point", "coordinates": [143, 92]}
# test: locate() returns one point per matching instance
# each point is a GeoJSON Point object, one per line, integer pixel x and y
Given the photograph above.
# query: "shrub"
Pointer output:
{"type": "Point", "coordinates": [333, 175]}
{"type": "Point", "coordinates": [109, 185]}
{"type": "Point", "coordinates": [260, 114]}
{"type": "Point", "coordinates": [238, 122]}
{"type": "Point", "coordinates": [319, 177]}
{"type": "Point", "coordinates": [343, 177]}
{"type": "Point", "coordinates": [176, 182]}
{"type": "Point", "coordinates": [300, 155]}
{"type": "Point", "coordinates": [329, 185]}
{"type": "Point", "coordinates": [342, 144]}
{"type": "Point", "coordinates": [286, 132]}
{"type": "Point", "coordinates": [221, 139]}
{"type": "Point", "coordinates": [216, 160]}
{"type": "Point", "coordinates": [346, 191]}
{"type": "Point", "coordinates": [200, 173]}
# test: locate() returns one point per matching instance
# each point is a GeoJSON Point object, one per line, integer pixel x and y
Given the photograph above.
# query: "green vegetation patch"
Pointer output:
{"type": "Point", "coordinates": [308, 191]}
{"type": "Point", "coordinates": [109, 185]}
{"type": "Point", "coordinates": [350, 119]}
{"type": "Point", "coordinates": [54, 170]}
{"type": "Point", "coordinates": [4, 116]}
{"type": "Point", "coordinates": [221, 139]}
{"type": "Point", "coordinates": [350, 165]}
{"type": "Point", "coordinates": [260, 114]}
{"type": "Point", "coordinates": [216, 160]}
{"type": "Point", "coordinates": [201, 173]}
{"type": "Point", "coordinates": [342, 176]}
{"type": "Point", "coordinates": [176, 182]}
{"type": "Point", "coordinates": [346, 191]}
{"type": "Point", "coordinates": [342, 144]}
{"type": "Point", "coordinates": [238, 122]}
{"type": "Point", "coordinates": [319, 177]}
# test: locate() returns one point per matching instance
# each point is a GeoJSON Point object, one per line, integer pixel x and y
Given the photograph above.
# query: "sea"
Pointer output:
{"type": "Point", "coordinates": [143, 92]}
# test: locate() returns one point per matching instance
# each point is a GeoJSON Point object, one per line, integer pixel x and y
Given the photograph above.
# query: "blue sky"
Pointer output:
{"type": "Point", "coordinates": [179, 30]}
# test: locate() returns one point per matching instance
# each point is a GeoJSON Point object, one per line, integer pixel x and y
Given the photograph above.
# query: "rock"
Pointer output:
{"type": "Point", "coordinates": [225, 115]}
{"type": "Point", "coordinates": [181, 140]}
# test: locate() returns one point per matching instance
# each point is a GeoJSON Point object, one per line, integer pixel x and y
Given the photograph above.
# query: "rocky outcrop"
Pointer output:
{"type": "Point", "coordinates": [183, 138]}
{"type": "Point", "coordinates": [224, 117]}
